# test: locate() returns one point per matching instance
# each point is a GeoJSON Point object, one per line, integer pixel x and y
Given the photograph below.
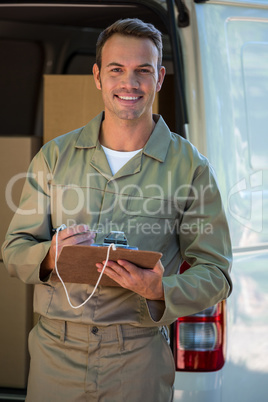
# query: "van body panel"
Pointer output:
{"type": "Point", "coordinates": [201, 387]}
{"type": "Point", "coordinates": [225, 55]}
{"type": "Point", "coordinates": [244, 376]}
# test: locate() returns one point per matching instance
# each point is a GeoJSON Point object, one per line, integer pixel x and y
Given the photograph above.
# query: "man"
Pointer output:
{"type": "Point", "coordinates": [124, 170]}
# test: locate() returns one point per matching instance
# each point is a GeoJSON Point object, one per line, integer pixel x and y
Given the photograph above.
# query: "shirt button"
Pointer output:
{"type": "Point", "coordinates": [95, 330]}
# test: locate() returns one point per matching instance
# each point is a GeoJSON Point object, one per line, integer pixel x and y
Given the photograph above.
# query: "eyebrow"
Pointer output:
{"type": "Point", "coordinates": [113, 63]}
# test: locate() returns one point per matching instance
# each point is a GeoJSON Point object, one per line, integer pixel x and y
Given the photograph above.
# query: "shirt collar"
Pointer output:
{"type": "Point", "coordinates": [156, 147]}
{"type": "Point", "coordinates": [89, 135]}
{"type": "Point", "coordinates": [158, 143]}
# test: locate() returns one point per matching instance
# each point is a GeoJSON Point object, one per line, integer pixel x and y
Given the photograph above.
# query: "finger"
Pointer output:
{"type": "Point", "coordinates": [88, 242]}
{"type": "Point", "coordinates": [114, 265]}
{"type": "Point", "coordinates": [112, 268]}
{"type": "Point", "coordinates": [80, 239]}
{"type": "Point", "coordinates": [111, 273]}
{"type": "Point", "coordinates": [159, 267]}
{"type": "Point", "coordinates": [76, 235]}
{"type": "Point", "coordinates": [132, 267]}
{"type": "Point", "coordinates": [74, 230]}
{"type": "Point", "coordinates": [109, 264]}
{"type": "Point", "coordinates": [129, 266]}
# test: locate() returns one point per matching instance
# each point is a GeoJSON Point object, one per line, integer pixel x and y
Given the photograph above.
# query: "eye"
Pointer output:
{"type": "Point", "coordinates": [144, 71]}
{"type": "Point", "coordinates": [116, 70]}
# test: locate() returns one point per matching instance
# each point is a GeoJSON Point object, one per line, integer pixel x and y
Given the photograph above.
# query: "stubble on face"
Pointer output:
{"type": "Point", "coordinates": [129, 77]}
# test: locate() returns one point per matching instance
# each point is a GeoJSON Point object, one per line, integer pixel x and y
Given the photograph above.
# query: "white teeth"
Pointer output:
{"type": "Point", "coordinates": [128, 97]}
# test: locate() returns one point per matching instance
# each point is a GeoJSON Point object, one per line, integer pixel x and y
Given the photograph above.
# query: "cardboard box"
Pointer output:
{"type": "Point", "coordinates": [16, 154]}
{"type": "Point", "coordinates": [16, 298]}
{"type": "Point", "coordinates": [16, 315]}
{"type": "Point", "coordinates": [70, 102]}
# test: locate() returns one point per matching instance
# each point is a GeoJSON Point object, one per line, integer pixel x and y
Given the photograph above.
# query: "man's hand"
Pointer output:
{"type": "Point", "coordinates": [77, 234]}
{"type": "Point", "coordinates": [145, 282]}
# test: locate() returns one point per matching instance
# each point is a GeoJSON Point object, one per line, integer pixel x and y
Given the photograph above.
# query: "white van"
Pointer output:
{"type": "Point", "coordinates": [215, 94]}
{"type": "Point", "coordinates": [225, 59]}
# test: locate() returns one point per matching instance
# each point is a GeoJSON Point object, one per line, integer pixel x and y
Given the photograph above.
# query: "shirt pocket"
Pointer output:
{"type": "Point", "coordinates": [72, 204]}
{"type": "Point", "coordinates": [152, 223]}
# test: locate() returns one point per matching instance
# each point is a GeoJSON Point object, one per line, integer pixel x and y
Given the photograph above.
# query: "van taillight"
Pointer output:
{"type": "Point", "coordinates": [200, 340]}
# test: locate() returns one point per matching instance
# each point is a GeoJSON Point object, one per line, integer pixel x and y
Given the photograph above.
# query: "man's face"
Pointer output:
{"type": "Point", "coordinates": [129, 77]}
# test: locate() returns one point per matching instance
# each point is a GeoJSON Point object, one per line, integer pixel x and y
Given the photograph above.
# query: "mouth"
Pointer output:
{"type": "Point", "coordinates": [128, 98]}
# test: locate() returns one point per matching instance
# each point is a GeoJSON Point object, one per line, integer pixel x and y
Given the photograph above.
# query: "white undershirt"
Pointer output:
{"type": "Point", "coordinates": [118, 159]}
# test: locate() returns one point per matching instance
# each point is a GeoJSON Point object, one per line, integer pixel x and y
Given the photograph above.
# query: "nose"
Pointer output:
{"type": "Point", "coordinates": [130, 80]}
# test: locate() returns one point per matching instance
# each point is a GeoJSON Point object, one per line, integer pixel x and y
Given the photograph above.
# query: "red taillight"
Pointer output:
{"type": "Point", "coordinates": [200, 340]}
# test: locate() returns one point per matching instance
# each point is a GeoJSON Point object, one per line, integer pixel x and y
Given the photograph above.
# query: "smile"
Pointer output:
{"type": "Point", "coordinates": [129, 98]}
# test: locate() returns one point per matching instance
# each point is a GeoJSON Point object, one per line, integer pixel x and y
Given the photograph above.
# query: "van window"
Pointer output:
{"type": "Point", "coordinates": [255, 72]}
{"type": "Point", "coordinates": [80, 64]}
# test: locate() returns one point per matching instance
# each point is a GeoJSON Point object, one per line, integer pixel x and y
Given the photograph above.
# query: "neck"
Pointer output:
{"type": "Point", "coordinates": [125, 135]}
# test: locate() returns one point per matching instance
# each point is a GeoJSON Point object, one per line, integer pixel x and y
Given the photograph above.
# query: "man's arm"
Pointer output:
{"type": "Point", "coordinates": [204, 244]}
{"type": "Point", "coordinates": [29, 249]}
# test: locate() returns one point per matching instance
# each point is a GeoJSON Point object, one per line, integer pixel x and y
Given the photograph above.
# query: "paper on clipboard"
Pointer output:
{"type": "Point", "coordinates": [77, 264]}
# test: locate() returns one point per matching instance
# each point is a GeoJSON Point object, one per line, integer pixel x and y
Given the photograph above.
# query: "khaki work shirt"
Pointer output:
{"type": "Point", "coordinates": [165, 199]}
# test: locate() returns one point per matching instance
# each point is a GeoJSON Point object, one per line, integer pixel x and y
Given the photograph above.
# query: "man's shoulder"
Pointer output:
{"type": "Point", "coordinates": [186, 150]}
{"type": "Point", "coordinates": [84, 136]}
{"type": "Point", "coordinates": [60, 147]}
{"type": "Point", "coordinates": [63, 140]}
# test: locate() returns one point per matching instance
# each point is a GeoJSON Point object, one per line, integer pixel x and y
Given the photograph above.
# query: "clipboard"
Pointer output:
{"type": "Point", "coordinates": [77, 264]}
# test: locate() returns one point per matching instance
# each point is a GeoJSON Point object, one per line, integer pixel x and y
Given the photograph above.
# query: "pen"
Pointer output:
{"type": "Point", "coordinates": [62, 227]}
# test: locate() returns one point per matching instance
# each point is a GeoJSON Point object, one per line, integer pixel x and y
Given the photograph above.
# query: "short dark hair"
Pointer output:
{"type": "Point", "coordinates": [130, 27]}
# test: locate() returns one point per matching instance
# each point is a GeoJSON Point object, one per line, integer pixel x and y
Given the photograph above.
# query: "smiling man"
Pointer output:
{"type": "Point", "coordinates": [129, 76]}
{"type": "Point", "coordinates": [131, 172]}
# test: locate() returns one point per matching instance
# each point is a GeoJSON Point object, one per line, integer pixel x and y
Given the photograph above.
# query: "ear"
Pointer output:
{"type": "Point", "coordinates": [96, 74]}
{"type": "Point", "coordinates": [161, 76]}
